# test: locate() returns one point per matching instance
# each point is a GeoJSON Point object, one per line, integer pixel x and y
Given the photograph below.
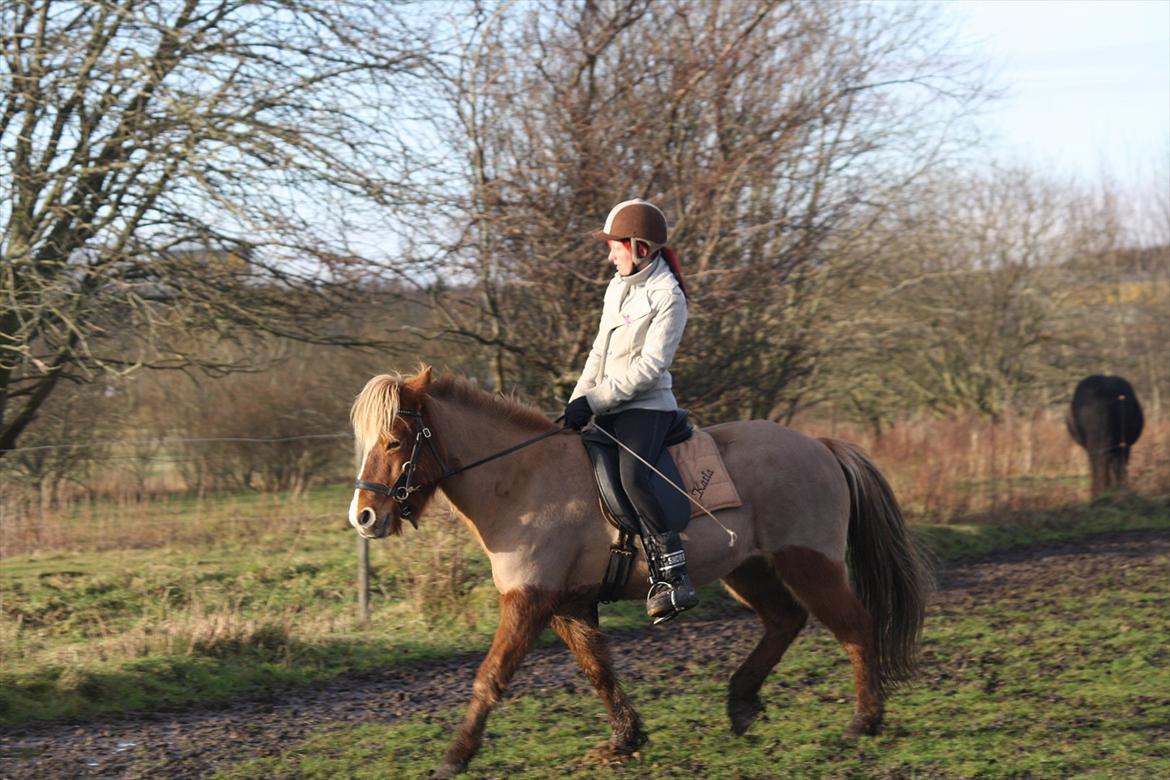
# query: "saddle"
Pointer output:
{"type": "Point", "coordinates": [703, 475]}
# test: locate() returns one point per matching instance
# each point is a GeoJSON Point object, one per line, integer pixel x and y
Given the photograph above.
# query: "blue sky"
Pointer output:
{"type": "Point", "coordinates": [1087, 83]}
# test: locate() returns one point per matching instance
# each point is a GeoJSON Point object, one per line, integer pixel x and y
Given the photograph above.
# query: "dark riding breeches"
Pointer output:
{"type": "Point", "coordinates": [643, 431]}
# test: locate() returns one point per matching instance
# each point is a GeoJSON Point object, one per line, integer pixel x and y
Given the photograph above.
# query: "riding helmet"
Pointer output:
{"type": "Point", "coordinates": [638, 219]}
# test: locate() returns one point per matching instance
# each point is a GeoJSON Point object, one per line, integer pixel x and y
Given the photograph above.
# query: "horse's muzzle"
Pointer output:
{"type": "Point", "coordinates": [370, 526]}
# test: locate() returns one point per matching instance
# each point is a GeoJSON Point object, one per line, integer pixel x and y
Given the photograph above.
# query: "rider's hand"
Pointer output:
{"type": "Point", "coordinates": [577, 413]}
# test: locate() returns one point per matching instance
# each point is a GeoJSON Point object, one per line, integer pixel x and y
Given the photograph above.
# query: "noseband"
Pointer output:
{"type": "Point", "coordinates": [402, 488]}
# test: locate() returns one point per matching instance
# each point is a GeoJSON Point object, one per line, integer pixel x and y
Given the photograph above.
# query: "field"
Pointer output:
{"type": "Point", "coordinates": [223, 217]}
{"type": "Point", "coordinates": [1007, 692]}
{"type": "Point", "coordinates": [1050, 662]}
{"type": "Point", "coordinates": [220, 633]}
{"type": "Point", "coordinates": [253, 592]}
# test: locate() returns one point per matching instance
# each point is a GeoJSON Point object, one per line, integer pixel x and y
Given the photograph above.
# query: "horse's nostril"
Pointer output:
{"type": "Point", "coordinates": [366, 518]}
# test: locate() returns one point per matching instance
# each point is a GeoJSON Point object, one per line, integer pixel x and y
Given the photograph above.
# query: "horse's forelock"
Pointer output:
{"type": "Point", "coordinates": [375, 409]}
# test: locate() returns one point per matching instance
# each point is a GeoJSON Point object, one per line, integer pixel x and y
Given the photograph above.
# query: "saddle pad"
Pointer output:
{"type": "Point", "coordinates": [703, 474]}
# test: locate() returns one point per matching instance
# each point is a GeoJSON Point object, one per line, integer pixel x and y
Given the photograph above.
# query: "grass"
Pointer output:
{"type": "Point", "coordinates": [82, 633]}
{"type": "Point", "coordinates": [988, 532]}
{"type": "Point", "coordinates": [268, 606]}
{"type": "Point", "coordinates": [1006, 694]}
{"type": "Point", "coordinates": [959, 465]}
{"type": "Point", "coordinates": [176, 520]}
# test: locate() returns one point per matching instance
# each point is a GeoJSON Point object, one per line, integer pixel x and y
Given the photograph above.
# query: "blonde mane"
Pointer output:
{"type": "Point", "coordinates": [375, 409]}
{"type": "Point", "coordinates": [377, 406]}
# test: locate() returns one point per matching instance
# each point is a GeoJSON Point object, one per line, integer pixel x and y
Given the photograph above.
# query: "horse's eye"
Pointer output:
{"type": "Point", "coordinates": [393, 444]}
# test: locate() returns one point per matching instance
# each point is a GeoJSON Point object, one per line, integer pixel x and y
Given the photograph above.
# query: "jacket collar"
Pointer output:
{"type": "Point", "coordinates": [642, 277]}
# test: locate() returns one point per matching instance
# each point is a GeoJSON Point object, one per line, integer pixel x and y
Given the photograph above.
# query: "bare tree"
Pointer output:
{"type": "Point", "coordinates": [64, 451]}
{"type": "Point", "coordinates": [772, 133]}
{"type": "Point", "coordinates": [179, 166]}
{"type": "Point", "coordinates": [979, 302]}
{"type": "Point", "coordinates": [1138, 344]}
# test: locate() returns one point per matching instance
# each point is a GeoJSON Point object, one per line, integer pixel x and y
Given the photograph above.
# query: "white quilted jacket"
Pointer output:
{"type": "Point", "coordinates": [642, 323]}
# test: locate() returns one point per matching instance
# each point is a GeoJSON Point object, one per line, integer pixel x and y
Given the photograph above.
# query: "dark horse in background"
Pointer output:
{"type": "Point", "coordinates": [1106, 419]}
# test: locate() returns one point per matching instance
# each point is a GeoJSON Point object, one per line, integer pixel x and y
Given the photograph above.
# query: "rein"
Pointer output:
{"type": "Point", "coordinates": [402, 488]}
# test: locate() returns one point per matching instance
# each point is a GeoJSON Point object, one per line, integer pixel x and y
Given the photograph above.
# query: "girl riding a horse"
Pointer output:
{"type": "Point", "coordinates": [626, 383]}
{"type": "Point", "coordinates": [819, 531]}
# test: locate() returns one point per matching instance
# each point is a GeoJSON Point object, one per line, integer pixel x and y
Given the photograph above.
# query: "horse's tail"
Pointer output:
{"type": "Point", "coordinates": [889, 576]}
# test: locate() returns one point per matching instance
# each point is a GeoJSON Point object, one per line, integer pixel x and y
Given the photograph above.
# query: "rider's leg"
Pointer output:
{"type": "Point", "coordinates": [671, 590]}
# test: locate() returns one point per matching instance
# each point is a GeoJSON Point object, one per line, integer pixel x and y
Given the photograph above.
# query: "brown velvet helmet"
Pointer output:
{"type": "Point", "coordinates": [635, 218]}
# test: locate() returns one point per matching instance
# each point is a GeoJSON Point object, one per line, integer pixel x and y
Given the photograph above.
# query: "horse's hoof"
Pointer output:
{"type": "Point", "coordinates": [608, 754]}
{"type": "Point", "coordinates": [743, 713]}
{"type": "Point", "coordinates": [445, 770]}
{"type": "Point", "coordinates": [862, 727]}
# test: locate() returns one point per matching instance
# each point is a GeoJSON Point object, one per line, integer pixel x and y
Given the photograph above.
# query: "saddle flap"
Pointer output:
{"type": "Point", "coordinates": [604, 457]}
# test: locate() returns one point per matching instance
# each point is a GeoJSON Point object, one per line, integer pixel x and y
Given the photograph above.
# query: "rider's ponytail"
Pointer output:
{"type": "Point", "coordinates": [672, 261]}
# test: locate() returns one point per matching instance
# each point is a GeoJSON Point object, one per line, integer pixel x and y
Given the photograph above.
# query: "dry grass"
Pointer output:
{"type": "Point", "coordinates": [175, 520]}
{"type": "Point", "coordinates": [945, 468]}
{"type": "Point", "coordinates": [438, 572]}
{"type": "Point", "coordinates": [941, 468]}
{"type": "Point", "coordinates": [196, 631]}
{"type": "Point", "coordinates": [210, 622]}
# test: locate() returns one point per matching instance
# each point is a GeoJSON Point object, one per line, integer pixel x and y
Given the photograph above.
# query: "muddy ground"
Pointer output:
{"type": "Point", "coordinates": [194, 742]}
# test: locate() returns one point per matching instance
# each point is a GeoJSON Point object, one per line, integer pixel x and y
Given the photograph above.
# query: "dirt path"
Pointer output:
{"type": "Point", "coordinates": [193, 743]}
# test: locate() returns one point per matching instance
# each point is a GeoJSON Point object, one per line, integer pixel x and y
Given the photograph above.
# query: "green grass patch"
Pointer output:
{"type": "Point", "coordinates": [86, 633]}
{"type": "Point", "coordinates": [1058, 679]}
{"type": "Point", "coordinates": [982, 534]}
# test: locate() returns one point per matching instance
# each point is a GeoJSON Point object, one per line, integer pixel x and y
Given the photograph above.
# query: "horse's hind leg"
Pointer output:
{"type": "Point", "coordinates": [576, 623]}
{"type": "Point", "coordinates": [523, 615]}
{"type": "Point", "coordinates": [756, 584]}
{"type": "Point", "coordinates": [822, 586]}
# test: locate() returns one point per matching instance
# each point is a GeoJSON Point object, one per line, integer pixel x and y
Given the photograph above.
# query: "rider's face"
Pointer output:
{"type": "Point", "coordinates": [621, 257]}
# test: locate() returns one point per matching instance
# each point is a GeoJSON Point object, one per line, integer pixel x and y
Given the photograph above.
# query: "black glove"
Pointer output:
{"type": "Point", "coordinates": [577, 413]}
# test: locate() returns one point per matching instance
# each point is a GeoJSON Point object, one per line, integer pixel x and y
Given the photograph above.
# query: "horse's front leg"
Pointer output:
{"type": "Point", "coordinates": [524, 613]}
{"type": "Point", "coordinates": [577, 624]}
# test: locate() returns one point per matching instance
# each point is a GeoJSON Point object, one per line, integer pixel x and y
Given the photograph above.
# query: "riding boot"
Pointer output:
{"type": "Point", "coordinates": [671, 590]}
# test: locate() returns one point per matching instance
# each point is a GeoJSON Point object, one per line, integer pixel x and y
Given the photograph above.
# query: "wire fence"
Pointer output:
{"type": "Point", "coordinates": [147, 490]}
{"type": "Point", "coordinates": [140, 491]}
{"type": "Point", "coordinates": [84, 463]}
{"type": "Point", "coordinates": [168, 440]}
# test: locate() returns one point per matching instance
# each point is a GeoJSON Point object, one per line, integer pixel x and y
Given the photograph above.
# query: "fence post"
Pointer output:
{"type": "Point", "coordinates": [363, 567]}
{"type": "Point", "coordinates": [363, 579]}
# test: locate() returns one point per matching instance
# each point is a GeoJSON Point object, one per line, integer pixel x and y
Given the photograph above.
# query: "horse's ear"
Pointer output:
{"type": "Point", "coordinates": [421, 381]}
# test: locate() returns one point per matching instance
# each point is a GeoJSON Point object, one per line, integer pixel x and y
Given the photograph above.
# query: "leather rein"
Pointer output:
{"type": "Point", "coordinates": [403, 487]}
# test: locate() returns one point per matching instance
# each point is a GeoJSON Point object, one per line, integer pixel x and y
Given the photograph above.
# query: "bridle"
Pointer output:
{"type": "Point", "coordinates": [403, 487]}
